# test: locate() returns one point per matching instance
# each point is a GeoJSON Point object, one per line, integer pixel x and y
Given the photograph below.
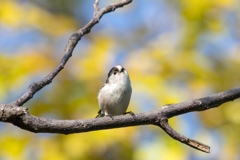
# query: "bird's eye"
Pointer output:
{"type": "Point", "coordinates": [114, 73]}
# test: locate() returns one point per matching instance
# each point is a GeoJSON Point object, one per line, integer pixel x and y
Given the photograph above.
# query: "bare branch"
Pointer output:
{"type": "Point", "coordinates": [72, 42]}
{"type": "Point", "coordinates": [175, 135]}
{"type": "Point", "coordinates": [20, 117]}
{"type": "Point", "coordinates": [95, 7]}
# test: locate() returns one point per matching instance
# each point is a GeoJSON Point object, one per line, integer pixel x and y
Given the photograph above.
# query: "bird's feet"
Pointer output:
{"type": "Point", "coordinates": [110, 115]}
{"type": "Point", "coordinates": [131, 113]}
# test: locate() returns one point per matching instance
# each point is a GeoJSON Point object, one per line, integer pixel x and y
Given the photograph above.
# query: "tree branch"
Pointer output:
{"type": "Point", "coordinates": [175, 135]}
{"type": "Point", "coordinates": [72, 42]}
{"type": "Point", "coordinates": [20, 117]}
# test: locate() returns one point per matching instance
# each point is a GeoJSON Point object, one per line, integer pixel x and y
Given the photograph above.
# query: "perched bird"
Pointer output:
{"type": "Point", "coordinates": [114, 97]}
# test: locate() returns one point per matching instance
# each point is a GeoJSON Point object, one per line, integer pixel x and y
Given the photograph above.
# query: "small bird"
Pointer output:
{"type": "Point", "coordinates": [114, 97]}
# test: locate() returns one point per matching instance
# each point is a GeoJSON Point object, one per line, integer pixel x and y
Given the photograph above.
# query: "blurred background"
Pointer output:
{"type": "Point", "coordinates": [174, 51]}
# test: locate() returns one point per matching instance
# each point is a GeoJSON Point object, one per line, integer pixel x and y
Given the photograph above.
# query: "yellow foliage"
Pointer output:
{"type": "Point", "coordinates": [226, 3]}
{"type": "Point", "coordinates": [15, 70]}
{"type": "Point", "coordinates": [13, 147]}
{"type": "Point", "coordinates": [52, 151]}
{"type": "Point", "coordinates": [19, 15]}
{"type": "Point", "coordinates": [232, 114]}
{"type": "Point", "coordinates": [99, 54]}
{"type": "Point", "coordinates": [160, 149]}
{"type": "Point", "coordinates": [194, 10]}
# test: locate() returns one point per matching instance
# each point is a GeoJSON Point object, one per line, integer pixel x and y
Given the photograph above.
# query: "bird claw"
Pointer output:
{"type": "Point", "coordinates": [131, 113]}
{"type": "Point", "coordinates": [110, 115]}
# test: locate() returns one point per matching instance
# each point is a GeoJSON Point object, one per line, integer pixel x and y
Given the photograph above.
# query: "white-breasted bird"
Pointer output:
{"type": "Point", "coordinates": [114, 96]}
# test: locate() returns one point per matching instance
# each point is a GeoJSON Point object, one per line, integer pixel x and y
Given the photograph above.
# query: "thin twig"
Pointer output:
{"type": "Point", "coordinates": [95, 7]}
{"type": "Point", "coordinates": [175, 135]}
